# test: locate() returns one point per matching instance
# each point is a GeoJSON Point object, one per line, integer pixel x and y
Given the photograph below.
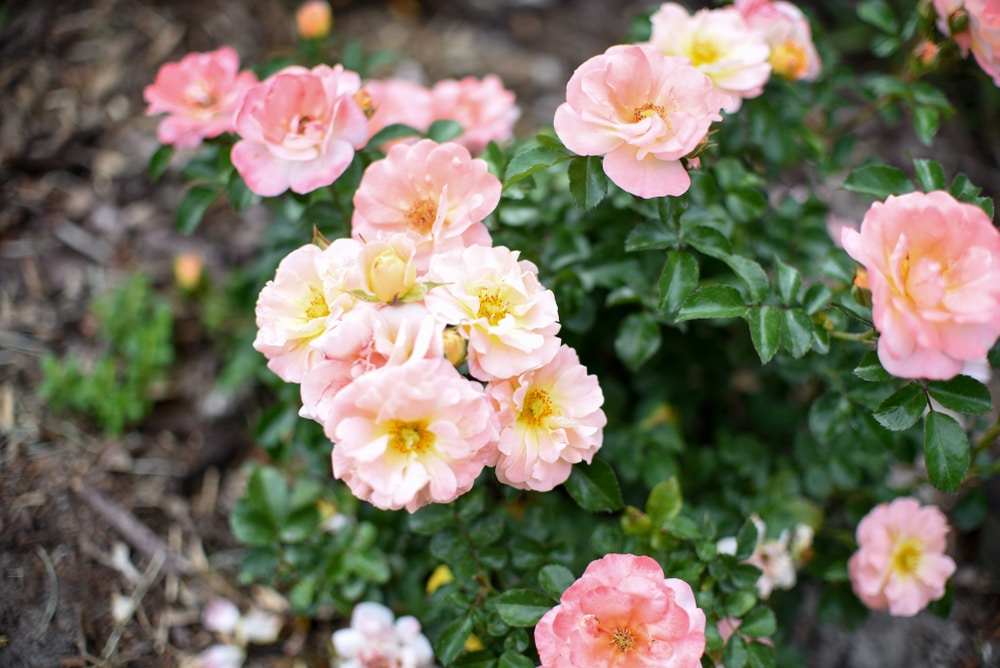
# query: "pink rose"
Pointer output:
{"type": "Point", "coordinates": [484, 108]}
{"type": "Point", "coordinates": [550, 419]}
{"type": "Point", "coordinates": [981, 36]}
{"type": "Point", "coordinates": [644, 112]}
{"type": "Point", "coordinates": [496, 303]}
{"type": "Point", "coordinates": [398, 101]}
{"type": "Point", "coordinates": [622, 612]}
{"type": "Point", "coordinates": [933, 266]}
{"type": "Point", "coordinates": [435, 193]}
{"type": "Point", "coordinates": [786, 31]}
{"type": "Point", "coordinates": [300, 129]}
{"type": "Point", "coordinates": [412, 434]}
{"type": "Point", "coordinates": [717, 42]}
{"type": "Point", "coordinates": [900, 565]}
{"type": "Point", "coordinates": [201, 94]}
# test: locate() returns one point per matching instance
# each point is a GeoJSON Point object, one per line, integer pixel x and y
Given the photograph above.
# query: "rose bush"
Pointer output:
{"type": "Point", "coordinates": [618, 382]}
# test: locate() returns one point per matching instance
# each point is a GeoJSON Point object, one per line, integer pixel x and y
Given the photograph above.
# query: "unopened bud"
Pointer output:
{"type": "Point", "coordinates": [456, 348]}
{"type": "Point", "coordinates": [364, 100]}
{"type": "Point", "coordinates": [314, 19]}
{"type": "Point", "coordinates": [188, 271]}
{"type": "Point", "coordinates": [390, 276]}
{"type": "Point", "coordinates": [926, 52]}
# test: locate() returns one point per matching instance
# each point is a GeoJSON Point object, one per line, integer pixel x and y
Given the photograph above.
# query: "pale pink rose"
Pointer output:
{"type": "Point", "coordinates": [306, 295]}
{"type": "Point", "coordinates": [201, 94]}
{"type": "Point", "coordinates": [622, 612]}
{"type": "Point", "coordinates": [398, 101]}
{"type": "Point", "coordinates": [483, 107]}
{"type": "Point", "coordinates": [719, 43]}
{"type": "Point", "coordinates": [786, 31]}
{"type": "Point", "coordinates": [644, 112]}
{"type": "Point", "coordinates": [497, 303]}
{"type": "Point", "coordinates": [438, 194]}
{"type": "Point", "coordinates": [300, 129]}
{"type": "Point", "coordinates": [375, 639]}
{"type": "Point", "coordinates": [365, 339]}
{"type": "Point", "coordinates": [408, 435]}
{"type": "Point", "coordinates": [901, 565]}
{"type": "Point", "coordinates": [933, 266]}
{"type": "Point", "coordinates": [550, 419]}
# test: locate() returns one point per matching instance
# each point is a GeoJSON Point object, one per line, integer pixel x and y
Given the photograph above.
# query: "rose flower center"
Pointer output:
{"type": "Point", "coordinates": [407, 437]}
{"type": "Point", "coordinates": [421, 215]}
{"type": "Point", "coordinates": [492, 306]}
{"type": "Point", "coordinates": [906, 559]}
{"type": "Point", "coordinates": [537, 406]}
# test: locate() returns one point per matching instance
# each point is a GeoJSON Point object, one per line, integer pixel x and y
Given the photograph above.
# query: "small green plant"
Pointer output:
{"type": "Point", "coordinates": [135, 347]}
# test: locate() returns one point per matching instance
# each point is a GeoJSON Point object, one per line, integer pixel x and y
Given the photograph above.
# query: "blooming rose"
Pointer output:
{"type": "Point", "coordinates": [412, 434]}
{"type": "Point", "coordinates": [484, 108]}
{"type": "Point", "coordinates": [643, 112]}
{"type": "Point", "coordinates": [717, 42]}
{"type": "Point", "coordinates": [498, 305]}
{"type": "Point", "coordinates": [622, 612]}
{"type": "Point", "coordinates": [983, 33]}
{"type": "Point", "coordinates": [201, 94]}
{"type": "Point", "coordinates": [300, 129]}
{"type": "Point", "coordinates": [398, 101]}
{"type": "Point", "coordinates": [309, 292]}
{"type": "Point", "coordinates": [786, 31]}
{"type": "Point", "coordinates": [550, 419]}
{"type": "Point", "coordinates": [900, 564]}
{"type": "Point", "coordinates": [375, 639]}
{"type": "Point", "coordinates": [435, 193]}
{"type": "Point", "coordinates": [933, 266]}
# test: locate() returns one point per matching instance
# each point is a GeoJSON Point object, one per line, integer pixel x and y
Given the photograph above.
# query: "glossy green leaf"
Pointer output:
{"type": "Point", "coordinates": [751, 273]}
{"type": "Point", "coordinates": [523, 607]}
{"type": "Point", "coordinates": [678, 280]}
{"type": "Point", "coordinates": [193, 207]}
{"type": "Point", "coordinates": [665, 501]}
{"type": "Point", "coordinates": [638, 339]}
{"type": "Point", "coordinates": [902, 409]}
{"type": "Point", "coordinates": [159, 161]}
{"type": "Point", "coordinates": [946, 451]}
{"type": "Point", "coordinates": [735, 653]}
{"type": "Point", "coordinates": [796, 331]}
{"type": "Point", "coordinates": [510, 660]}
{"type": "Point", "coordinates": [879, 14]}
{"type": "Point", "coordinates": [788, 280]}
{"type": "Point", "coordinates": [962, 393]}
{"type": "Point", "coordinates": [451, 643]}
{"type": "Point", "coordinates": [765, 331]}
{"type": "Point", "coordinates": [759, 622]}
{"type": "Point", "coordinates": [713, 301]}
{"type": "Point", "coordinates": [587, 182]}
{"type": "Point", "coordinates": [238, 193]}
{"type": "Point", "coordinates": [925, 123]}
{"type": "Point", "coordinates": [870, 369]}
{"type": "Point", "coordinates": [930, 174]}
{"type": "Point", "coordinates": [390, 133]}
{"type": "Point", "coordinates": [444, 129]}
{"type": "Point", "coordinates": [533, 159]}
{"type": "Point", "coordinates": [878, 180]}
{"type": "Point", "coordinates": [594, 487]}
{"type": "Point", "coordinates": [746, 542]}
{"type": "Point", "coordinates": [555, 579]}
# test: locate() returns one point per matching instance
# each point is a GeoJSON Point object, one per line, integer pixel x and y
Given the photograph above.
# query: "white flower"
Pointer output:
{"type": "Point", "coordinates": [375, 639]}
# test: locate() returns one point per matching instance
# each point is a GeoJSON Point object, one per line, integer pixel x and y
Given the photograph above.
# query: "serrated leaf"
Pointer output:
{"type": "Point", "coordinates": [391, 132]}
{"type": "Point", "coordinates": [510, 660]}
{"type": "Point", "coordinates": [238, 193]}
{"type": "Point", "coordinates": [746, 542]}
{"type": "Point", "coordinates": [522, 607]}
{"type": "Point", "coordinates": [902, 409]}
{"type": "Point", "coordinates": [751, 273]}
{"type": "Point", "coordinates": [159, 161]}
{"type": "Point", "coordinates": [664, 502]}
{"type": "Point", "coordinates": [638, 339]}
{"type": "Point", "coordinates": [817, 297]}
{"type": "Point", "coordinates": [788, 280]}
{"type": "Point", "coordinates": [759, 622]}
{"type": "Point", "coordinates": [796, 332]}
{"type": "Point", "coordinates": [930, 174]}
{"type": "Point", "coordinates": [878, 180]}
{"type": "Point", "coordinates": [678, 279]}
{"type": "Point", "coordinates": [870, 369]}
{"type": "Point", "coordinates": [925, 124]}
{"type": "Point", "coordinates": [555, 579]}
{"type": "Point", "coordinates": [451, 643]}
{"type": "Point", "coordinates": [765, 331]}
{"type": "Point", "coordinates": [713, 301]}
{"type": "Point", "coordinates": [193, 207]}
{"type": "Point", "coordinates": [709, 241]}
{"type": "Point", "coordinates": [650, 235]}
{"type": "Point", "coordinates": [879, 14]}
{"type": "Point", "coordinates": [526, 162]}
{"type": "Point", "coordinates": [431, 519]}
{"type": "Point", "coordinates": [946, 451]}
{"type": "Point", "coordinates": [588, 184]}
{"type": "Point", "coordinates": [594, 487]}
{"type": "Point", "coordinates": [962, 394]}
{"type": "Point", "coordinates": [735, 653]}
{"type": "Point", "coordinates": [444, 129]}
{"type": "Point", "coordinates": [268, 492]}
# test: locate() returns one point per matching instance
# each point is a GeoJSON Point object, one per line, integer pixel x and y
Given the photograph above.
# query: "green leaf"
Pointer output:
{"type": "Point", "coordinates": [870, 369]}
{"type": "Point", "coordinates": [193, 207]}
{"type": "Point", "coordinates": [796, 331]}
{"type": "Point", "coordinates": [713, 301]}
{"type": "Point", "coordinates": [391, 132]}
{"type": "Point", "coordinates": [431, 519]}
{"type": "Point", "coordinates": [735, 653]}
{"type": "Point", "coordinates": [902, 409]}
{"type": "Point", "coordinates": [444, 129]}
{"type": "Point", "coordinates": [530, 160]}
{"type": "Point", "coordinates": [765, 331]}
{"type": "Point", "coordinates": [678, 279]}
{"type": "Point", "coordinates": [946, 451]}
{"type": "Point", "coordinates": [788, 280]}
{"type": "Point", "coordinates": [751, 273]}
{"type": "Point", "coordinates": [925, 124]}
{"type": "Point", "coordinates": [239, 195]}
{"type": "Point", "coordinates": [709, 241]}
{"type": "Point", "coordinates": [638, 339]}
{"type": "Point", "coordinates": [522, 607]}
{"type": "Point", "coordinates": [510, 660]}
{"type": "Point", "coordinates": [555, 579]}
{"type": "Point", "coordinates": [451, 643]}
{"type": "Point", "coordinates": [930, 174]}
{"type": "Point", "coordinates": [879, 14]}
{"type": "Point", "coordinates": [159, 161]}
{"type": "Point", "coordinates": [650, 235]}
{"type": "Point", "coordinates": [665, 501]}
{"type": "Point", "coordinates": [759, 623]}
{"type": "Point", "coordinates": [746, 542]}
{"type": "Point", "coordinates": [594, 487]}
{"type": "Point", "coordinates": [587, 182]}
{"type": "Point", "coordinates": [268, 491]}
{"type": "Point", "coordinates": [962, 394]}
{"type": "Point", "coordinates": [761, 655]}
{"type": "Point", "coordinates": [878, 180]}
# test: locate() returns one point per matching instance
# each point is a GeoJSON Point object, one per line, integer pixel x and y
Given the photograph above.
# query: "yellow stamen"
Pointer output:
{"type": "Point", "coordinates": [907, 556]}
{"type": "Point", "coordinates": [622, 640]}
{"type": "Point", "coordinates": [703, 53]}
{"type": "Point", "coordinates": [421, 215]}
{"type": "Point", "coordinates": [537, 406]}
{"type": "Point", "coordinates": [645, 111]}
{"type": "Point", "coordinates": [407, 437]}
{"type": "Point", "coordinates": [492, 306]}
{"type": "Point", "coordinates": [318, 308]}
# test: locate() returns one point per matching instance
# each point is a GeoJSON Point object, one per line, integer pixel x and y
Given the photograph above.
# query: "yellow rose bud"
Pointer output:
{"type": "Point", "coordinates": [455, 347]}
{"type": "Point", "coordinates": [390, 276]}
{"type": "Point", "coordinates": [314, 19]}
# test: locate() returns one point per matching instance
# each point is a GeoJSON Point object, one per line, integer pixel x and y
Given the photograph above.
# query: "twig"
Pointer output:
{"type": "Point", "coordinates": [152, 572]}
{"type": "Point", "coordinates": [53, 602]}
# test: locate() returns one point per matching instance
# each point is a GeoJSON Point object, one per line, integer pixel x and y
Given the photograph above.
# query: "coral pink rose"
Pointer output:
{"type": "Point", "coordinates": [398, 101]}
{"type": "Point", "coordinates": [900, 565]}
{"type": "Point", "coordinates": [435, 193]}
{"type": "Point", "coordinates": [786, 31]}
{"type": "Point", "coordinates": [933, 266]}
{"type": "Point", "coordinates": [408, 435]}
{"type": "Point", "coordinates": [644, 112]}
{"type": "Point", "coordinates": [484, 108]}
{"type": "Point", "coordinates": [496, 303]}
{"type": "Point", "coordinates": [550, 419]}
{"type": "Point", "coordinates": [300, 129]}
{"type": "Point", "coordinates": [622, 612]}
{"type": "Point", "coordinates": [717, 42]}
{"type": "Point", "coordinates": [201, 94]}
